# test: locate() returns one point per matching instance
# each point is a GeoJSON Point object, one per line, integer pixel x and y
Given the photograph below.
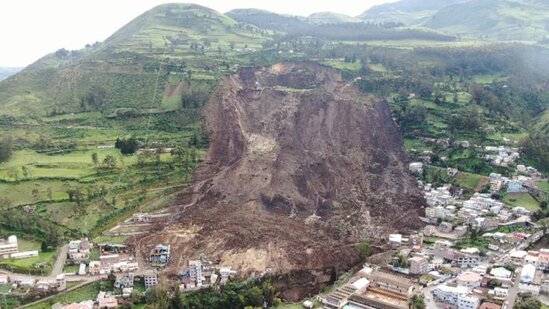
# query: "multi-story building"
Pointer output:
{"type": "Point", "coordinates": [418, 265]}
{"type": "Point", "coordinates": [150, 278]}
{"type": "Point", "coordinates": [79, 250]}
{"type": "Point", "coordinates": [397, 285]}
{"type": "Point", "coordinates": [9, 245]}
{"type": "Point", "coordinates": [160, 254]}
{"type": "Point", "coordinates": [457, 296]}
{"type": "Point", "coordinates": [195, 271]}
{"type": "Point", "coordinates": [469, 280]}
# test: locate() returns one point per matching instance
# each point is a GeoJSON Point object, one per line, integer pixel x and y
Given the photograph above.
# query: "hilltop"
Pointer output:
{"type": "Point", "coordinates": [502, 20]}
{"type": "Point", "coordinates": [184, 37]}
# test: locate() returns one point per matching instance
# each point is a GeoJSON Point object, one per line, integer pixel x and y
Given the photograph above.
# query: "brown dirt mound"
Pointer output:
{"type": "Point", "coordinates": [301, 166]}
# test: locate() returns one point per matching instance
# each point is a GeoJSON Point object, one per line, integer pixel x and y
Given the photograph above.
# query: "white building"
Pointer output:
{"type": "Point", "coordinates": [469, 280]}
{"type": "Point", "coordinates": [9, 245]}
{"type": "Point", "coordinates": [195, 271]}
{"type": "Point", "coordinates": [457, 296]}
{"type": "Point", "coordinates": [501, 273]}
{"type": "Point", "coordinates": [416, 167]}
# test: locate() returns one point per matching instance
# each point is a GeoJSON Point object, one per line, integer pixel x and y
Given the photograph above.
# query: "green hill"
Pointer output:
{"type": "Point", "coordinates": [409, 12]}
{"type": "Point", "coordinates": [269, 20]}
{"type": "Point", "coordinates": [495, 19]}
{"type": "Point", "coordinates": [331, 18]}
{"type": "Point", "coordinates": [187, 38]}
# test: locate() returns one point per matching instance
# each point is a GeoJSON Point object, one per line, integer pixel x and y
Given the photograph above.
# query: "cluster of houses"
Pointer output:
{"type": "Point", "coordinates": [43, 285]}
{"type": "Point", "coordinates": [9, 249]}
{"type": "Point", "coordinates": [501, 155]}
{"type": "Point", "coordinates": [113, 258]}
{"type": "Point", "coordinates": [203, 273]}
{"type": "Point", "coordinates": [481, 212]}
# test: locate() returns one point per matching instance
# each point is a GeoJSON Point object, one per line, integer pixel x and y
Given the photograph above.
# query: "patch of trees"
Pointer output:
{"type": "Point", "coordinates": [6, 149]}
{"type": "Point", "coordinates": [196, 96]}
{"type": "Point", "coordinates": [465, 120]}
{"type": "Point", "coordinates": [31, 225]}
{"type": "Point", "coordinates": [412, 116]}
{"type": "Point", "coordinates": [528, 301]}
{"type": "Point", "coordinates": [535, 149]}
{"type": "Point", "coordinates": [127, 146]}
{"type": "Point", "coordinates": [95, 99]}
{"type": "Point", "coordinates": [235, 294]}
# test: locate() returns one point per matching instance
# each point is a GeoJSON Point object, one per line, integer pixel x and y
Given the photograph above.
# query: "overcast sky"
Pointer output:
{"type": "Point", "coordinates": [30, 29]}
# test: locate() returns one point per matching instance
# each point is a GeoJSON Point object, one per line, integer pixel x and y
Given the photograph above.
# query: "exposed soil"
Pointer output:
{"type": "Point", "coordinates": [301, 167]}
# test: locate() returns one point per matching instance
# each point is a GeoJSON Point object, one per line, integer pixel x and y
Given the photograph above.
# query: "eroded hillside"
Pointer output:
{"type": "Point", "coordinates": [300, 168]}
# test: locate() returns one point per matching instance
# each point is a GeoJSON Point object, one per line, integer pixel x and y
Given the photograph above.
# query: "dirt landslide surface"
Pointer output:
{"type": "Point", "coordinates": [301, 167]}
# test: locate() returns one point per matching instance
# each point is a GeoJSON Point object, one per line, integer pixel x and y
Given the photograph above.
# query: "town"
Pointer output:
{"type": "Point", "coordinates": [474, 252]}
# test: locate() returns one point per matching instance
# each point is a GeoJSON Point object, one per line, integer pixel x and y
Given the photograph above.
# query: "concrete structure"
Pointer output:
{"type": "Point", "coordinates": [457, 296]}
{"type": "Point", "coordinates": [418, 265]}
{"type": "Point", "coordinates": [469, 280]}
{"type": "Point", "coordinates": [8, 246]}
{"type": "Point", "coordinates": [501, 273]}
{"type": "Point", "coordinates": [160, 254]}
{"type": "Point", "coordinates": [150, 278]}
{"type": "Point", "coordinates": [79, 250]}
{"type": "Point", "coordinates": [416, 167]}
{"type": "Point", "coordinates": [195, 271]}
{"type": "Point", "coordinates": [24, 255]}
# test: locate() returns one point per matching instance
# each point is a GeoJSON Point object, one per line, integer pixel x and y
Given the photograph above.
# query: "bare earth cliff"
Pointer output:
{"type": "Point", "coordinates": [301, 167]}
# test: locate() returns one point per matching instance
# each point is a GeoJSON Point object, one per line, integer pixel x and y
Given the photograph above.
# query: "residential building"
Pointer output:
{"type": "Point", "coordinates": [457, 296]}
{"type": "Point", "coordinates": [501, 292]}
{"type": "Point", "coordinates": [150, 278]}
{"type": "Point", "coordinates": [488, 305]}
{"type": "Point", "coordinates": [395, 240]}
{"type": "Point", "coordinates": [501, 273]}
{"type": "Point", "coordinates": [530, 279]}
{"type": "Point", "coordinates": [465, 260]}
{"type": "Point", "coordinates": [469, 280]}
{"type": "Point", "coordinates": [416, 167]}
{"type": "Point", "coordinates": [160, 254]}
{"type": "Point", "coordinates": [9, 245]}
{"type": "Point", "coordinates": [418, 265]}
{"type": "Point", "coordinates": [79, 250]}
{"type": "Point", "coordinates": [195, 271]}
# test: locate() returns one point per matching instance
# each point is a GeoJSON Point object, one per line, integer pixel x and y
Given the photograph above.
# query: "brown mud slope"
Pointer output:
{"type": "Point", "coordinates": [301, 167]}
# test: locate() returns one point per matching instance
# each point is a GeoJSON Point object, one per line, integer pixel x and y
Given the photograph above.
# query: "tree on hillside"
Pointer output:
{"type": "Point", "coordinates": [127, 146]}
{"type": "Point", "coordinates": [95, 99]}
{"type": "Point", "coordinates": [6, 149]}
{"type": "Point", "coordinates": [363, 250]}
{"type": "Point", "coordinates": [109, 162]}
{"type": "Point", "coordinates": [95, 158]}
{"type": "Point", "coordinates": [196, 96]}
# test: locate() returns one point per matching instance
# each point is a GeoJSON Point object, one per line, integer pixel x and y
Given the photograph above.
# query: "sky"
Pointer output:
{"type": "Point", "coordinates": [30, 29]}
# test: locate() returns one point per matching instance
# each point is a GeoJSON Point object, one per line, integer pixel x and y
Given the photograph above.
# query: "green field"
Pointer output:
{"type": "Point", "coordinates": [87, 292]}
{"type": "Point", "coordinates": [39, 265]}
{"type": "Point", "coordinates": [522, 199]}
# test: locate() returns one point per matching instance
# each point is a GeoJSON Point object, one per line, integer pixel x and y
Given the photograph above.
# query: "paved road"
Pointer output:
{"type": "Point", "coordinates": [513, 291]}
{"type": "Point", "coordinates": [60, 262]}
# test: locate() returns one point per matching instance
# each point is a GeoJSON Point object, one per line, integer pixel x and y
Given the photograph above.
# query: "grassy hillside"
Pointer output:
{"type": "Point", "coordinates": [331, 18]}
{"type": "Point", "coordinates": [495, 19]}
{"type": "Point", "coordinates": [409, 12]}
{"type": "Point", "coordinates": [190, 40]}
